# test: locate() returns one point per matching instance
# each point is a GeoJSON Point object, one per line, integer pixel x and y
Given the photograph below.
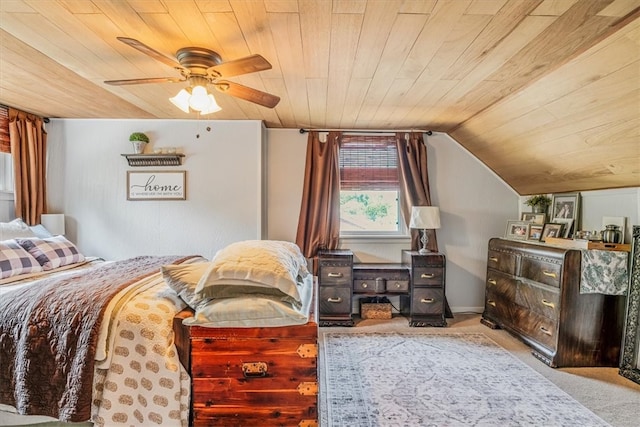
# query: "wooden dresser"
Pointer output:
{"type": "Point", "coordinates": [250, 376]}
{"type": "Point", "coordinates": [533, 291]}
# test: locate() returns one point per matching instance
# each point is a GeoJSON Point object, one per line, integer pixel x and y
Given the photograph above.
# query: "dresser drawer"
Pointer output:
{"type": "Point", "coordinates": [397, 286]}
{"type": "Point", "coordinates": [541, 300]}
{"type": "Point", "coordinates": [502, 261]}
{"type": "Point", "coordinates": [369, 285]}
{"type": "Point", "coordinates": [428, 276]}
{"type": "Point", "coordinates": [334, 275]}
{"type": "Point", "coordinates": [334, 300]}
{"type": "Point", "coordinates": [539, 328]}
{"type": "Point", "coordinates": [426, 301]}
{"type": "Point", "coordinates": [541, 271]}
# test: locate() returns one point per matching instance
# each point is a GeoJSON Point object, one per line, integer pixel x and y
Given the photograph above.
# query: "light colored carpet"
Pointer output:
{"type": "Point", "coordinates": [611, 397]}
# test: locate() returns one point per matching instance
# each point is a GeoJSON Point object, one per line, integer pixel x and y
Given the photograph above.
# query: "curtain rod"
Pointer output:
{"type": "Point", "coordinates": [428, 132]}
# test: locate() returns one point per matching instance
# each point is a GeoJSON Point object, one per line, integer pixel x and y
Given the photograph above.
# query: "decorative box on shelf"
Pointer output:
{"type": "Point", "coordinates": [174, 159]}
{"type": "Point", "coordinates": [587, 244]}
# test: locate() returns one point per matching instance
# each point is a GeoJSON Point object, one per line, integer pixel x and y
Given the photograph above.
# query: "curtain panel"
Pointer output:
{"type": "Point", "coordinates": [319, 221]}
{"type": "Point", "coordinates": [414, 181]}
{"type": "Point", "coordinates": [5, 142]}
{"type": "Point", "coordinates": [28, 150]}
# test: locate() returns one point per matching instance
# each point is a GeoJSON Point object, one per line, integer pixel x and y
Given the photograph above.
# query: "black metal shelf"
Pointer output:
{"type": "Point", "coordinates": [154, 159]}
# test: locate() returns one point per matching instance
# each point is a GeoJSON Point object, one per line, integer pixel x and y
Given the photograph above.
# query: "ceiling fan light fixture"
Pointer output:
{"type": "Point", "coordinates": [181, 100]}
{"type": "Point", "coordinates": [199, 99]}
{"type": "Point", "coordinates": [213, 106]}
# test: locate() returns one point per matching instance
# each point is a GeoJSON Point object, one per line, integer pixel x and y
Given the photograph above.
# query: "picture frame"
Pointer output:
{"type": "Point", "coordinates": [535, 218]}
{"type": "Point", "coordinates": [517, 230]}
{"type": "Point", "coordinates": [566, 206]}
{"type": "Point", "coordinates": [535, 232]}
{"type": "Point", "coordinates": [568, 226]}
{"type": "Point", "coordinates": [551, 229]}
{"type": "Point", "coordinates": [156, 185]}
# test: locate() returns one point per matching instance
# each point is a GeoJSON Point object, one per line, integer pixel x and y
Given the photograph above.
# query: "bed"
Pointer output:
{"type": "Point", "coordinates": [83, 339]}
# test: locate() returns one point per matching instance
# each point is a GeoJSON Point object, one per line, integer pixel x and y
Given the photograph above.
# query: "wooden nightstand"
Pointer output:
{"type": "Point", "coordinates": [428, 301]}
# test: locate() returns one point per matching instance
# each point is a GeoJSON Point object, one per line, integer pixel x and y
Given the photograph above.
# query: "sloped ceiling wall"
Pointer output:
{"type": "Point", "coordinates": [575, 129]}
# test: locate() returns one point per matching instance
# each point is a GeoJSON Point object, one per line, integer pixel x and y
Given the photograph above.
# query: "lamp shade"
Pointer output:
{"type": "Point", "coordinates": [425, 217]}
{"type": "Point", "coordinates": [54, 223]}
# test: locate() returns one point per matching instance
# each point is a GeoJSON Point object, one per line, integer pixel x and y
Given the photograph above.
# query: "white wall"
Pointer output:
{"type": "Point", "coordinates": [87, 182]}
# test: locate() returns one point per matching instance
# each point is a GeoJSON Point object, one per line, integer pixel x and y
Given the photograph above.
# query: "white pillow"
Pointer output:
{"type": "Point", "coordinates": [52, 252]}
{"type": "Point", "coordinates": [14, 229]}
{"type": "Point", "coordinates": [15, 260]}
{"type": "Point", "coordinates": [251, 311]}
{"type": "Point", "coordinates": [183, 278]}
{"type": "Point", "coordinates": [268, 267]}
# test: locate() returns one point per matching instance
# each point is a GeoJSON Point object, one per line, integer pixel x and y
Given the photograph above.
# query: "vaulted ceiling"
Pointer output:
{"type": "Point", "coordinates": [545, 92]}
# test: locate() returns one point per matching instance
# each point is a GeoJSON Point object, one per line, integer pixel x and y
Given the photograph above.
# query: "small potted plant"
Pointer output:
{"type": "Point", "coordinates": [140, 141]}
{"type": "Point", "coordinates": [538, 203]}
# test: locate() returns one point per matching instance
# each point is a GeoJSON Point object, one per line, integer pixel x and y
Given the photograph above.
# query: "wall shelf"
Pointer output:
{"type": "Point", "coordinates": [154, 159]}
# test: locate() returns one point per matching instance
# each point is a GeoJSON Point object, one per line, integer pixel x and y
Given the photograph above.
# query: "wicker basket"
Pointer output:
{"type": "Point", "coordinates": [375, 310]}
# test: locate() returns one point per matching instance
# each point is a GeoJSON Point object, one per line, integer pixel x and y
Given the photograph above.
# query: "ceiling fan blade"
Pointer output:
{"type": "Point", "coordinates": [149, 51]}
{"type": "Point", "coordinates": [236, 67]}
{"type": "Point", "coordinates": [247, 93]}
{"type": "Point", "coordinates": [140, 81]}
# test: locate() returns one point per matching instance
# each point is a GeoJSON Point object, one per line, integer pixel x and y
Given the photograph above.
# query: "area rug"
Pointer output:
{"type": "Point", "coordinates": [399, 379]}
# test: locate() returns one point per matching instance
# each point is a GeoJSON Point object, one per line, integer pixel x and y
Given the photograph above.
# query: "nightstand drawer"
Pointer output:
{"type": "Point", "coordinates": [427, 301]}
{"type": "Point", "coordinates": [334, 275]}
{"type": "Point", "coordinates": [334, 300]}
{"type": "Point", "coordinates": [428, 276]}
{"type": "Point", "coordinates": [369, 285]}
{"type": "Point", "coordinates": [397, 286]}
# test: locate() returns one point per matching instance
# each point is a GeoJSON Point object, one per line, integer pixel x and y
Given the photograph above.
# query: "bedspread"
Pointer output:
{"type": "Point", "coordinates": [48, 337]}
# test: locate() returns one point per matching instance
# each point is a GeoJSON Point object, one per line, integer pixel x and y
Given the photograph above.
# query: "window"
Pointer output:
{"type": "Point", "coordinates": [369, 186]}
{"type": "Point", "coordinates": [6, 163]}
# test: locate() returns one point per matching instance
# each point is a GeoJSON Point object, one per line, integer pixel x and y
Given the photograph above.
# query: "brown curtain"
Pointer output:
{"type": "Point", "coordinates": [414, 181]}
{"type": "Point", "coordinates": [319, 222]}
{"type": "Point", "coordinates": [5, 143]}
{"type": "Point", "coordinates": [28, 149]}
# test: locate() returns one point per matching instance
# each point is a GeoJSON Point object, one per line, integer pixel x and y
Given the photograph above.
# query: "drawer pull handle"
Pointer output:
{"type": "Point", "coordinates": [365, 285]}
{"type": "Point", "coordinates": [427, 300]}
{"type": "Point", "coordinates": [491, 302]}
{"type": "Point", "coordinates": [398, 285]}
{"type": "Point", "coordinates": [335, 274]}
{"type": "Point", "coordinates": [494, 259]}
{"type": "Point", "coordinates": [255, 369]}
{"type": "Point", "coordinates": [548, 304]}
{"type": "Point", "coordinates": [336, 300]}
{"type": "Point", "coordinates": [427, 276]}
{"type": "Point", "coordinates": [549, 273]}
{"type": "Point", "coordinates": [492, 282]}
{"type": "Point", "coordinates": [545, 330]}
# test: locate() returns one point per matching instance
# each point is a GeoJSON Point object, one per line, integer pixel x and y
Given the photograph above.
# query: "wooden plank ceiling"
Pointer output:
{"type": "Point", "coordinates": [544, 92]}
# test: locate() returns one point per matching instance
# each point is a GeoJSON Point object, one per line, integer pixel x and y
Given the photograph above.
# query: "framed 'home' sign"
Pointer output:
{"type": "Point", "coordinates": [156, 185]}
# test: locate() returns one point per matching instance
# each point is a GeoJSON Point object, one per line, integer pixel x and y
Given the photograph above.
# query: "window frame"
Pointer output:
{"type": "Point", "coordinates": [402, 231]}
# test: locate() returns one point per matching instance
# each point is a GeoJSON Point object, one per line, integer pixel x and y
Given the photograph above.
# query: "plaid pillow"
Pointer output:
{"type": "Point", "coordinates": [52, 252]}
{"type": "Point", "coordinates": [15, 260]}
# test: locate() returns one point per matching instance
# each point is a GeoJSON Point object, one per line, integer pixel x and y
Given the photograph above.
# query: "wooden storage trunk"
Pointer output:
{"type": "Point", "coordinates": [251, 376]}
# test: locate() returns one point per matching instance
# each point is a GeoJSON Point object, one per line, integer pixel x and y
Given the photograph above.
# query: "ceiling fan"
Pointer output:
{"type": "Point", "coordinates": [201, 67]}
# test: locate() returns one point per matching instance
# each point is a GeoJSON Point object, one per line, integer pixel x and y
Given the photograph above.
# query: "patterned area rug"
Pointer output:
{"type": "Point", "coordinates": [396, 379]}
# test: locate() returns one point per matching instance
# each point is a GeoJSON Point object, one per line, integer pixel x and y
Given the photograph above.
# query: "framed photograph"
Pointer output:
{"type": "Point", "coordinates": [517, 230]}
{"type": "Point", "coordinates": [156, 185]}
{"type": "Point", "coordinates": [535, 231]}
{"type": "Point", "coordinates": [536, 218]}
{"type": "Point", "coordinates": [568, 226]}
{"type": "Point", "coordinates": [551, 229]}
{"type": "Point", "coordinates": [566, 206]}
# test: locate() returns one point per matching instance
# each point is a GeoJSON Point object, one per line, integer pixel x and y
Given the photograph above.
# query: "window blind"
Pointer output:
{"type": "Point", "coordinates": [5, 143]}
{"type": "Point", "coordinates": [368, 162]}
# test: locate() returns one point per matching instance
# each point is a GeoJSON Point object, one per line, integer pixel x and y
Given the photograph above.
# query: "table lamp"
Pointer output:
{"type": "Point", "coordinates": [425, 217]}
